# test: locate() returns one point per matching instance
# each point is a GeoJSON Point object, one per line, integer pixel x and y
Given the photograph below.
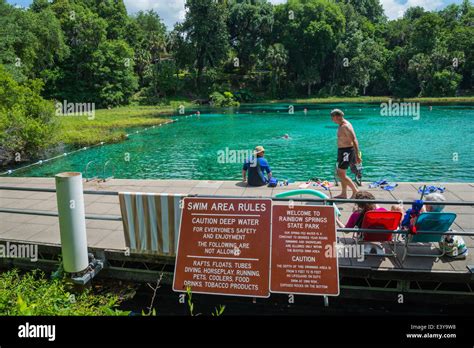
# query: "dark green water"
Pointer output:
{"type": "Point", "coordinates": [436, 147]}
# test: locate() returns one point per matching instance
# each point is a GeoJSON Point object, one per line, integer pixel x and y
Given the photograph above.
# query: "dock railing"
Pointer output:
{"type": "Point", "coordinates": [293, 199]}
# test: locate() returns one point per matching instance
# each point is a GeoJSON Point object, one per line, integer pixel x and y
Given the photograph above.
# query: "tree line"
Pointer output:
{"type": "Point", "coordinates": [94, 51]}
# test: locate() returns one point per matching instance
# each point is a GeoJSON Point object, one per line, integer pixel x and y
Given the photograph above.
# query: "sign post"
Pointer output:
{"type": "Point", "coordinates": [224, 247]}
{"type": "Point", "coordinates": [304, 251]}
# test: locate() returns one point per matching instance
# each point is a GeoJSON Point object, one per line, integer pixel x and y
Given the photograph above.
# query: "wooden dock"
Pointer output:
{"type": "Point", "coordinates": [107, 236]}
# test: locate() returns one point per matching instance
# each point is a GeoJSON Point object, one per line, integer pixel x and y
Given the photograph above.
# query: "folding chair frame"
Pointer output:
{"type": "Point", "coordinates": [419, 244]}
{"type": "Point", "coordinates": [392, 244]}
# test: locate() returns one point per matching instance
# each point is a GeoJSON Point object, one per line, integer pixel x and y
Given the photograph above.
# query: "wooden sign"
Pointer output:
{"type": "Point", "coordinates": [304, 259]}
{"type": "Point", "coordinates": [224, 247]}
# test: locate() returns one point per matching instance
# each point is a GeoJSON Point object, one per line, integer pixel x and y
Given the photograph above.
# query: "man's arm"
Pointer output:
{"type": "Point", "coordinates": [351, 134]}
{"type": "Point", "coordinates": [244, 171]}
{"type": "Point", "coordinates": [268, 170]}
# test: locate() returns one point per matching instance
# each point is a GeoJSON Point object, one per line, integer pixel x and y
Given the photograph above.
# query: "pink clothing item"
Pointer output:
{"type": "Point", "coordinates": [355, 216]}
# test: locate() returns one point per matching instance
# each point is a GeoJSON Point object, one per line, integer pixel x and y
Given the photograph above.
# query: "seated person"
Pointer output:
{"type": "Point", "coordinates": [398, 207]}
{"type": "Point", "coordinates": [360, 209]}
{"type": "Point", "coordinates": [257, 166]}
{"type": "Point", "coordinates": [419, 207]}
{"type": "Point", "coordinates": [434, 197]}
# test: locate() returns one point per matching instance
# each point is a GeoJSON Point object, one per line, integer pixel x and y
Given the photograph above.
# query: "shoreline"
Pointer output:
{"type": "Point", "coordinates": [468, 100]}
{"type": "Point", "coordinates": [109, 125]}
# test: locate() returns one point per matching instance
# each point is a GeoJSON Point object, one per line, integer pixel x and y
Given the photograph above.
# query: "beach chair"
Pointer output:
{"type": "Point", "coordinates": [434, 222]}
{"type": "Point", "coordinates": [151, 222]}
{"type": "Point", "coordinates": [379, 220]}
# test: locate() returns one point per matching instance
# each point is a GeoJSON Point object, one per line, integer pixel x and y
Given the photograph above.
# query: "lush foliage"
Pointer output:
{"type": "Point", "coordinates": [93, 51]}
{"type": "Point", "coordinates": [26, 119]}
{"type": "Point", "coordinates": [225, 99]}
{"type": "Point", "coordinates": [33, 294]}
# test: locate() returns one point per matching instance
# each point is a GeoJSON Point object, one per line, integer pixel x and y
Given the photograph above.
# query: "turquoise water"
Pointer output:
{"type": "Point", "coordinates": [437, 147]}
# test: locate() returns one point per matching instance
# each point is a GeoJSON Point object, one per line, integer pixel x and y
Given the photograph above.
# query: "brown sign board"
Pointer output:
{"type": "Point", "coordinates": [224, 247]}
{"type": "Point", "coordinates": [303, 259]}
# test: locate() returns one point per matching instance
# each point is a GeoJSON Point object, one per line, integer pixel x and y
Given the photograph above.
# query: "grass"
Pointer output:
{"type": "Point", "coordinates": [109, 125]}
{"type": "Point", "coordinates": [34, 294]}
{"type": "Point", "coordinates": [365, 99]}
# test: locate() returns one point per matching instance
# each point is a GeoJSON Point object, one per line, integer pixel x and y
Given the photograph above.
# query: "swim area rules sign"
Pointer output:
{"type": "Point", "coordinates": [304, 260]}
{"type": "Point", "coordinates": [247, 247]}
{"type": "Point", "coordinates": [224, 247]}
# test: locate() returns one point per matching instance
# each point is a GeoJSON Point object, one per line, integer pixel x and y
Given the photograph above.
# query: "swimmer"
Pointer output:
{"type": "Point", "coordinates": [286, 136]}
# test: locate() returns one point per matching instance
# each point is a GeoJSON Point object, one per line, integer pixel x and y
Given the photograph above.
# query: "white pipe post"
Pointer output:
{"type": "Point", "coordinates": [72, 221]}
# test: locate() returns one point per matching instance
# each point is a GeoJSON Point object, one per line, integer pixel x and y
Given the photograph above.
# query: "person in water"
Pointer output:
{"type": "Point", "coordinates": [347, 151]}
{"type": "Point", "coordinates": [256, 166]}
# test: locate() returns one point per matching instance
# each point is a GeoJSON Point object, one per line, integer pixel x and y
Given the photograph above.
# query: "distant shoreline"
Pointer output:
{"type": "Point", "coordinates": [109, 125]}
{"type": "Point", "coordinates": [331, 100]}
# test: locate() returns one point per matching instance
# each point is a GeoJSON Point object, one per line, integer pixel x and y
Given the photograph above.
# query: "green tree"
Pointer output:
{"type": "Point", "coordinates": [113, 12]}
{"type": "Point", "coordinates": [371, 9]}
{"type": "Point", "coordinates": [435, 69]}
{"type": "Point", "coordinates": [459, 35]}
{"type": "Point", "coordinates": [98, 70]}
{"type": "Point", "coordinates": [425, 32]}
{"type": "Point", "coordinates": [310, 31]}
{"type": "Point", "coordinates": [27, 121]}
{"type": "Point", "coordinates": [205, 34]}
{"type": "Point", "coordinates": [367, 64]}
{"type": "Point", "coordinates": [31, 41]}
{"type": "Point", "coordinates": [277, 59]}
{"type": "Point", "coordinates": [113, 67]}
{"type": "Point", "coordinates": [250, 25]}
{"type": "Point", "coordinates": [445, 83]}
{"type": "Point", "coordinates": [149, 42]}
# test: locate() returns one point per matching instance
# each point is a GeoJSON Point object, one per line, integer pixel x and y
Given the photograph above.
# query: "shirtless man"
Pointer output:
{"type": "Point", "coordinates": [347, 151]}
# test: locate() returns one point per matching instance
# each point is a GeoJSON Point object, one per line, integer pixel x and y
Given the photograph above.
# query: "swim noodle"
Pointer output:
{"type": "Point", "coordinates": [306, 192]}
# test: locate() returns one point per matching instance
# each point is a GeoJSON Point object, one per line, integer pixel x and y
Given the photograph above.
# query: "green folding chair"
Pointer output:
{"type": "Point", "coordinates": [431, 222]}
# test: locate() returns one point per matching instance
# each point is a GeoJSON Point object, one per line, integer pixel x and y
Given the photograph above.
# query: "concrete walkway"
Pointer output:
{"type": "Point", "coordinates": [109, 234]}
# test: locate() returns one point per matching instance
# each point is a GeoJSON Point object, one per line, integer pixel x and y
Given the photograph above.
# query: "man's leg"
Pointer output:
{"type": "Point", "coordinates": [352, 186]}
{"type": "Point", "coordinates": [341, 173]}
{"type": "Point", "coordinates": [345, 181]}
